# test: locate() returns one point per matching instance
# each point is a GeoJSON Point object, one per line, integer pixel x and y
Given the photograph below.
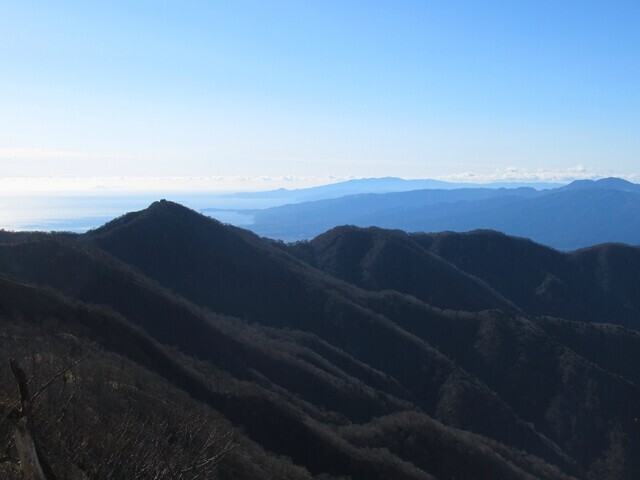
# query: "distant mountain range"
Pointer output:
{"type": "Point", "coordinates": [376, 185]}
{"type": "Point", "coordinates": [577, 215]}
{"type": "Point", "coordinates": [361, 354]}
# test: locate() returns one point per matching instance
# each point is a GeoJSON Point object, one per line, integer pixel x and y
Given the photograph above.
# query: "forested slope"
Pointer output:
{"type": "Point", "coordinates": [361, 354]}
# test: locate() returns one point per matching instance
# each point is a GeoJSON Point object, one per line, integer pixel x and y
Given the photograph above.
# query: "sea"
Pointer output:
{"type": "Point", "coordinates": [80, 212]}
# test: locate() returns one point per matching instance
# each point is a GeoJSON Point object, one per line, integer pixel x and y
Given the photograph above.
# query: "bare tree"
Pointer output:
{"type": "Point", "coordinates": [33, 463]}
{"type": "Point", "coordinates": [84, 442]}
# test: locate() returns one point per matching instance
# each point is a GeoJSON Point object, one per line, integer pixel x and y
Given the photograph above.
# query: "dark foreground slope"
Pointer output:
{"type": "Point", "coordinates": [341, 379]}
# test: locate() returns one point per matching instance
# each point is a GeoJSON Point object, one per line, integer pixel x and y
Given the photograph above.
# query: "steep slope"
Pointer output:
{"type": "Point", "coordinates": [242, 350]}
{"type": "Point", "coordinates": [517, 358]}
{"type": "Point", "coordinates": [484, 269]}
{"type": "Point", "coordinates": [262, 415]}
{"type": "Point", "coordinates": [125, 383]}
{"type": "Point", "coordinates": [377, 259]}
{"type": "Point", "coordinates": [401, 314]}
{"type": "Point", "coordinates": [111, 384]}
{"type": "Point", "coordinates": [232, 268]}
{"type": "Point", "coordinates": [242, 405]}
{"type": "Point", "coordinates": [599, 284]}
{"type": "Point", "coordinates": [339, 377]}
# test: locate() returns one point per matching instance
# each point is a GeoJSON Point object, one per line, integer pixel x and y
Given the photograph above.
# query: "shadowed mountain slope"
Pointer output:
{"type": "Point", "coordinates": [232, 268]}
{"type": "Point", "coordinates": [377, 259]}
{"type": "Point", "coordinates": [485, 269]}
{"type": "Point", "coordinates": [334, 352]}
{"type": "Point", "coordinates": [598, 284]}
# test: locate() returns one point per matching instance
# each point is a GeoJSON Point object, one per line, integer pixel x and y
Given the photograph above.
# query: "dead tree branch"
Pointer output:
{"type": "Point", "coordinates": [32, 462]}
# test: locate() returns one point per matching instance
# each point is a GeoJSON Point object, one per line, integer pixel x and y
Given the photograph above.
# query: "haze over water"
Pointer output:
{"type": "Point", "coordinates": [79, 213]}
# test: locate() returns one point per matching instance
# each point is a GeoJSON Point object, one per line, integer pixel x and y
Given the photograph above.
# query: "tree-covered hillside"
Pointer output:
{"type": "Point", "coordinates": [362, 354]}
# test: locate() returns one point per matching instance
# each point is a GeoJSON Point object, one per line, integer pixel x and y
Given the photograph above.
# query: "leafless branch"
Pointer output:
{"type": "Point", "coordinates": [58, 375]}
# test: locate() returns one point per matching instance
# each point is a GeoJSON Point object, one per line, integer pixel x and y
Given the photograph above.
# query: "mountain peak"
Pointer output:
{"type": "Point", "coordinates": [162, 213]}
{"type": "Point", "coordinates": [164, 207]}
{"type": "Point", "coordinates": [610, 183]}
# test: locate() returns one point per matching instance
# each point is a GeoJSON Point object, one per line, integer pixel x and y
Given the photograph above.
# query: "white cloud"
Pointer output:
{"type": "Point", "coordinates": [72, 184]}
{"type": "Point", "coordinates": [513, 174]}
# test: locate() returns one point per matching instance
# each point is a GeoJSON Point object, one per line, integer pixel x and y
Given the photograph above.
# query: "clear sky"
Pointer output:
{"type": "Point", "coordinates": [309, 89]}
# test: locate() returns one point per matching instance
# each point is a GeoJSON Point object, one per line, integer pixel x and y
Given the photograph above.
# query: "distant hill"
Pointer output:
{"type": "Point", "coordinates": [578, 215]}
{"type": "Point", "coordinates": [365, 353]}
{"type": "Point", "coordinates": [610, 183]}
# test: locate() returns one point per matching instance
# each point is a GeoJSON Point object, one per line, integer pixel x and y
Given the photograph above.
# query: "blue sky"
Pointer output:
{"type": "Point", "coordinates": [309, 90]}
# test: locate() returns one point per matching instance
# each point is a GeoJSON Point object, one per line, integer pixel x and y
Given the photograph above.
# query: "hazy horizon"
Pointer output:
{"type": "Point", "coordinates": [79, 204]}
{"type": "Point", "coordinates": [74, 185]}
{"type": "Point", "coordinates": [302, 92]}
{"type": "Point", "coordinates": [125, 102]}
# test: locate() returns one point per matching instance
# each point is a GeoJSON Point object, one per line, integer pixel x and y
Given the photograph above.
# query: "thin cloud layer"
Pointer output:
{"type": "Point", "coordinates": [221, 184]}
